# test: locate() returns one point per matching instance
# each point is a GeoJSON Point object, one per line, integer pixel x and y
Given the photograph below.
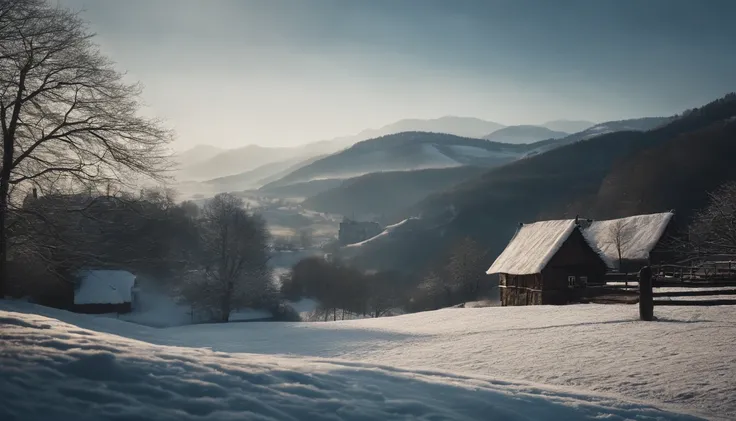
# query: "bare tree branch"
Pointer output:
{"type": "Point", "coordinates": [68, 116]}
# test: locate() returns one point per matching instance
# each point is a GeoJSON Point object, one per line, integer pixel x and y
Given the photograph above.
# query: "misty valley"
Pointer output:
{"type": "Point", "coordinates": [322, 210]}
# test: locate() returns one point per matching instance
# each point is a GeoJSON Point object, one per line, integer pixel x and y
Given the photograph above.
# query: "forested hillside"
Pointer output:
{"type": "Point", "coordinates": [386, 193]}
{"type": "Point", "coordinates": [611, 174]}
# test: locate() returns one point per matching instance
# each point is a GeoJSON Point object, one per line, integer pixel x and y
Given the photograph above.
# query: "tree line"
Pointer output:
{"type": "Point", "coordinates": [213, 258]}
{"type": "Point", "coordinates": [346, 292]}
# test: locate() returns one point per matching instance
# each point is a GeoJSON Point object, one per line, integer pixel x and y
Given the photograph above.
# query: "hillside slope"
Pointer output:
{"type": "Point", "coordinates": [524, 134]}
{"type": "Point", "coordinates": [636, 124]}
{"type": "Point", "coordinates": [386, 193]}
{"type": "Point", "coordinates": [403, 152]}
{"type": "Point", "coordinates": [565, 181]}
{"type": "Point", "coordinates": [432, 365]}
{"type": "Point", "coordinates": [677, 174]}
{"type": "Point", "coordinates": [568, 126]}
{"type": "Point", "coordinates": [259, 176]}
{"type": "Point", "coordinates": [205, 162]}
{"type": "Point", "coordinates": [195, 155]}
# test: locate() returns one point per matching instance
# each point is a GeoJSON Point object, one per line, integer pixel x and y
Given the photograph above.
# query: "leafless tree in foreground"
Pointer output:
{"type": "Point", "coordinates": [620, 235]}
{"type": "Point", "coordinates": [69, 119]}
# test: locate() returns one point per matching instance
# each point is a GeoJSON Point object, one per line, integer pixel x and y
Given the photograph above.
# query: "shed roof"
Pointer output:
{"type": "Point", "coordinates": [639, 235]}
{"type": "Point", "coordinates": [532, 247]}
{"type": "Point", "coordinates": [104, 287]}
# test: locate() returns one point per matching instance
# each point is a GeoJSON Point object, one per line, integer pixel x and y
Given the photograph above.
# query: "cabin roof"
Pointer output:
{"type": "Point", "coordinates": [639, 234]}
{"type": "Point", "coordinates": [104, 287]}
{"type": "Point", "coordinates": [532, 247]}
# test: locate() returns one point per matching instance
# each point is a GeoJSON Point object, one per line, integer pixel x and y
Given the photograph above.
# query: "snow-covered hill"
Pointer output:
{"type": "Point", "coordinates": [403, 152]}
{"type": "Point", "coordinates": [524, 134]}
{"type": "Point", "coordinates": [64, 366]}
{"type": "Point", "coordinates": [635, 125]}
{"type": "Point", "coordinates": [685, 362]}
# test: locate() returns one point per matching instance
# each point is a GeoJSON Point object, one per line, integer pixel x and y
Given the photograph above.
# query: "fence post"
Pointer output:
{"type": "Point", "coordinates": [646, 295]}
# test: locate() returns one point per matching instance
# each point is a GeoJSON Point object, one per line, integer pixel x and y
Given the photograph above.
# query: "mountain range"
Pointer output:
{"type": "Point", "coordinates": [524, 134]}
{"type": "Point", "coordinates": [207, 163]}
{"type": "Point", "coordinates": [403, 152]}
{"type": "Point", "coordinates": [365, 195]}
{"type": "Point", "coordinates": [670, 166]}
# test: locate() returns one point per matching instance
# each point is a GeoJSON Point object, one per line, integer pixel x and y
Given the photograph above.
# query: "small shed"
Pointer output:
{"type": "Point", "coordinates": [545, 263]}
{"type": "Point", "coordinates": [104, 291]}
{"type": "Point", "coordinates": [638, 238]}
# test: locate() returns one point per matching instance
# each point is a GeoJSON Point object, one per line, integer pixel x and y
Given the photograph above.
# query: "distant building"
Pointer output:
{"type": "Point", "coordinates": [104, 291]}
{"type": "Point", "coordinates": [352, 232]}
{"type": "Point", "coordinates": [545, 262]}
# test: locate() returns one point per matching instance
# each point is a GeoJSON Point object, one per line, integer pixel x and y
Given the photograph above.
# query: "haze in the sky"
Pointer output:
{"type": "Point", "coordinates": [286, 72]}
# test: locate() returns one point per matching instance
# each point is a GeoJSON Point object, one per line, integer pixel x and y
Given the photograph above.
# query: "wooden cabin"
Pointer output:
{"type": "Point", "coordinates": [104, 291]}
{"type": "Point", "coordinates": [546, 263]}
{"type": "Point", "coordinates": [640, 238]}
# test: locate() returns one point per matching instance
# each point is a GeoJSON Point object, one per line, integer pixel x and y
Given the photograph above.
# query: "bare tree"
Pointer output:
{"type": "Point", "coordinates": [235, 251]}
{"type": "Point", "coordinates": [466, 269]}
{"type": "Point", "coordinates": [432, 293]}
{"type": "Point", "coordinates": [713, 230]}
{"type": "Point", "coordinates": [620, 235]}
{"type": "Point", "coordinates": [69, 119]}
{"type": "Point", "coordinates": [306, 238]}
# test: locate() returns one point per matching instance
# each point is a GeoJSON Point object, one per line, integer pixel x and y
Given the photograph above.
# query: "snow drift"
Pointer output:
{"type": "Point", "coordinates": [53, 370]}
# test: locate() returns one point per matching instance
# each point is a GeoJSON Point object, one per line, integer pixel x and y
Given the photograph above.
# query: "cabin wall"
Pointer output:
{"type": "Point", "coordinates": [520, 290]}
{"type": "Point", "coordinates": [103, 308]}
{"type": "Point", "coordinates": [574, 262]}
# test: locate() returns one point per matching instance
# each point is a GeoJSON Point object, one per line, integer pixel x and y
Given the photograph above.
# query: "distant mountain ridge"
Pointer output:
{"type": "Point", "coordinates": [400, 189]}
{"type": "Point", "coordinates": [601, 176]}
{"type": "Point", "coordinates": [402, 152]}
{"type": "Point", "coordinates": [383, 193]}
{"type": "Point", "coordinates": [568, 126]}
{"type": "Point", "coordinates": [208, 162]}
{"type": "Point", "coordinates": [523, 134]}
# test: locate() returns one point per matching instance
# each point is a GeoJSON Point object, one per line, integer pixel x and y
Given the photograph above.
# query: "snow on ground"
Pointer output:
{"type": "Point", "coordinates": [305, 307]}
{"type": "Point", "coordinates": [153, 307]}
{"type": "Point", "coordinates": [478, 152]}
{"type": "Point", "coordinates": [53, 370]}
{"type": "Point", "coordinates": [387, 232]}
{"type": "Point", "coordinates": [433, 158]}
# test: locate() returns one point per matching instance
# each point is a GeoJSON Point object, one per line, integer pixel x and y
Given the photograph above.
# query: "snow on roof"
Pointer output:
{"type": "Point", "coordinates": [104, 287]}
{"type": "Point", "coordinates": [639, 235]}
{"type": "Point", "coordinates": [532, 247]}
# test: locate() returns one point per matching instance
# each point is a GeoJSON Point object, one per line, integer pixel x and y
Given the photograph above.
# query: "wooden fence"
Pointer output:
{"type": "Point", "coordinates": [686, 279]}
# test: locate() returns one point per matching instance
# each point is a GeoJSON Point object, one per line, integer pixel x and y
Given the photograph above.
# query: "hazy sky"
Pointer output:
{"type": "Point", "coordinates": [284, 72]}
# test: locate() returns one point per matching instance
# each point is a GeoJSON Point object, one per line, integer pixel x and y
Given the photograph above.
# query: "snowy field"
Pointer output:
{"type": "Point", "coordinates": [595, 362]}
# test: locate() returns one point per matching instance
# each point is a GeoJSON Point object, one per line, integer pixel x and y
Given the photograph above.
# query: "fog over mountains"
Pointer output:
{"type": "Point", "coordinates": [209, 169]}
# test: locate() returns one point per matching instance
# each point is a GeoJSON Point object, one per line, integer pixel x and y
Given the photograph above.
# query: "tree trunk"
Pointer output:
{"type": "Point", "coordinates": [225, 316]}
{"type": "Point", "coordinates": [4, 187]}
{"type": "Point", "coordinates": [8, 150]}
